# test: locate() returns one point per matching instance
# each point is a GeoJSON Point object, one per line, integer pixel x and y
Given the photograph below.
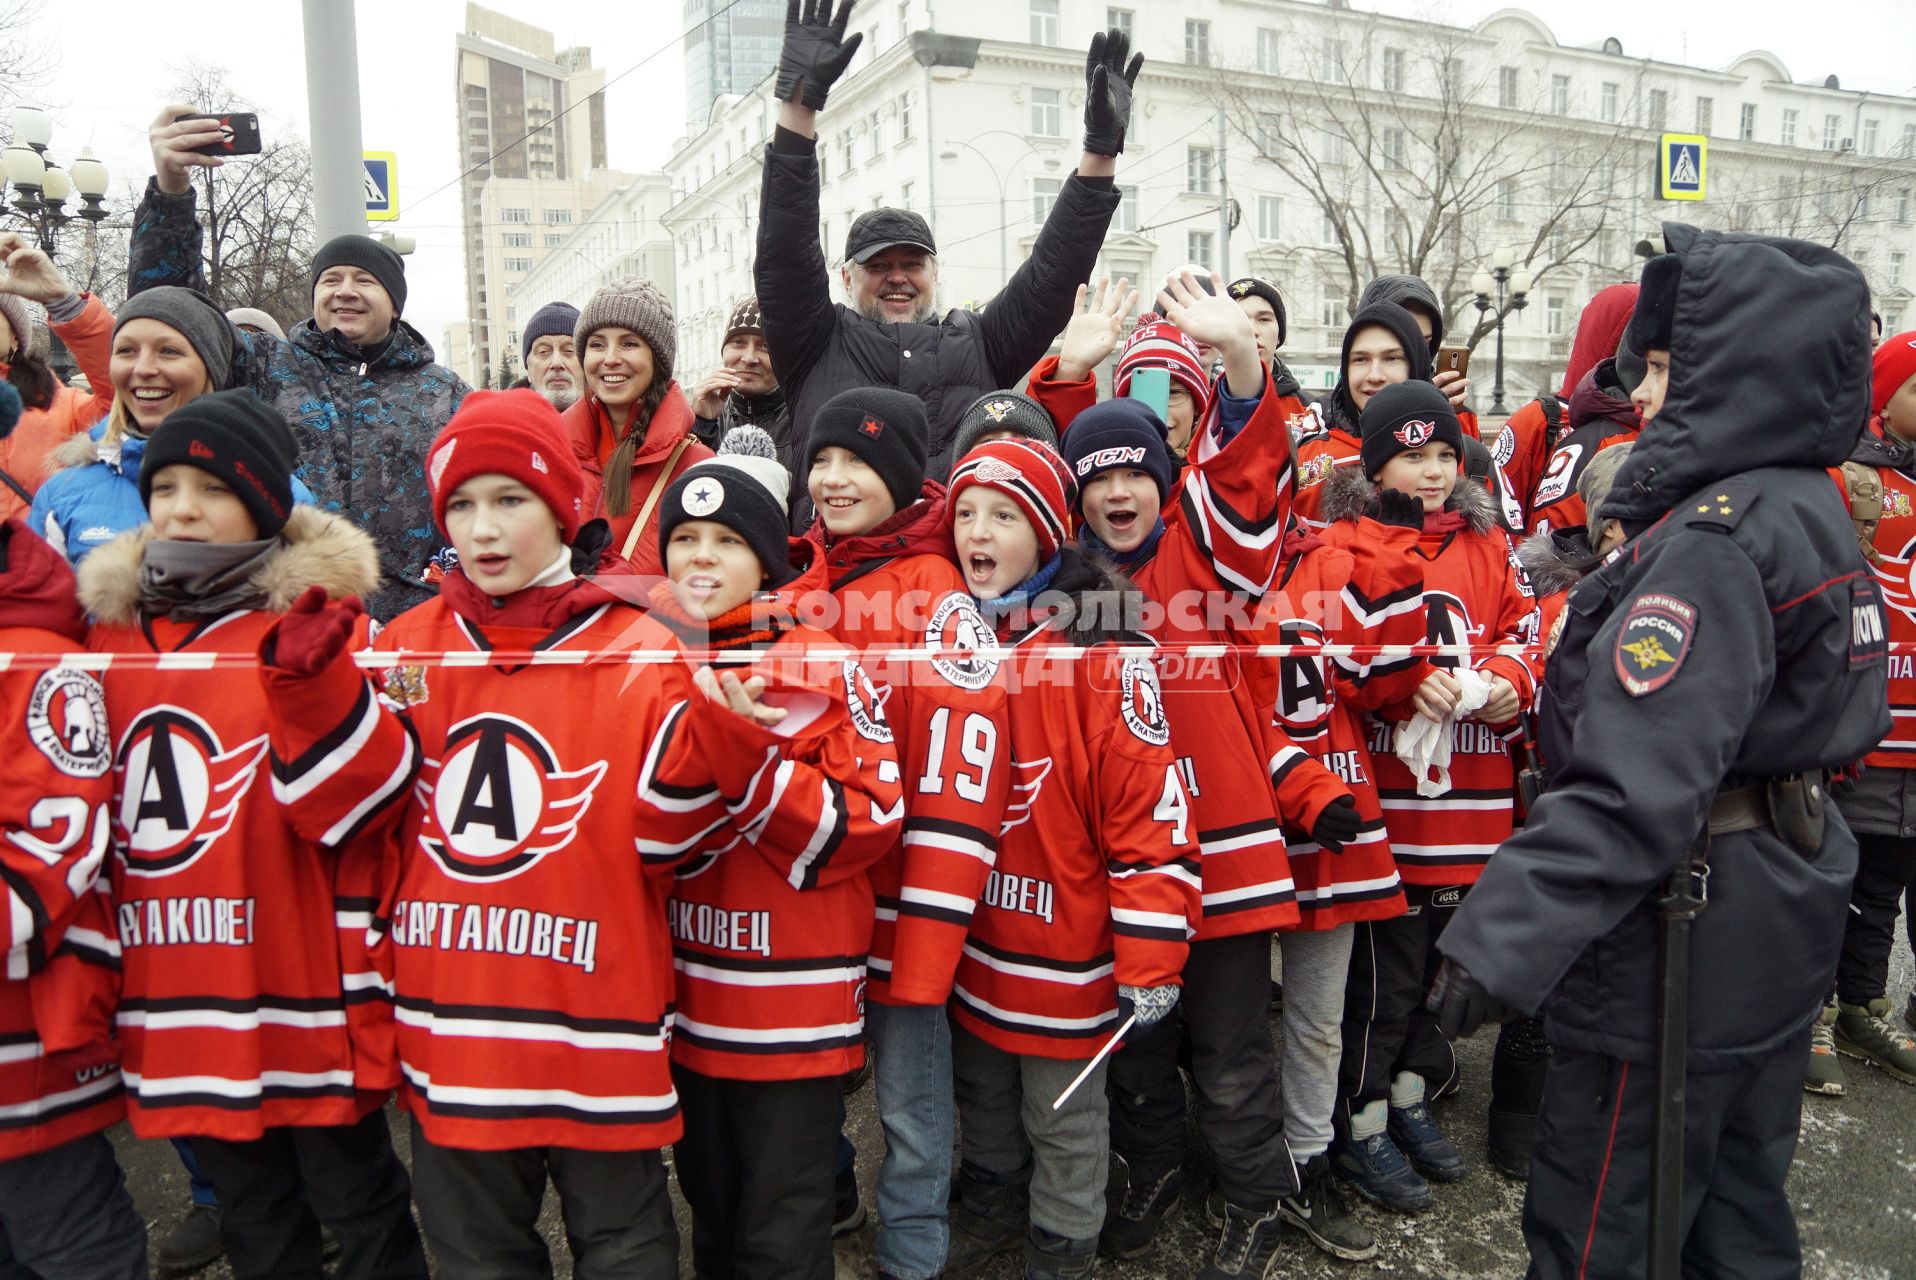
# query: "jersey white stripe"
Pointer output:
{"type": "Point", "coordinates": [545, 1032]}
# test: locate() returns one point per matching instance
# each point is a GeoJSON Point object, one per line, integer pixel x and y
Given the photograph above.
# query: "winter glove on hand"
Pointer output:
{"type": "Point", "coordinates": [1393, 507]}
{"type": "Point", "coordinates": [1461, 1003]}
{"type": "Point", "coordinates": [1338, 825]}
{"type": "Point", "coordinates": [816, 51]}
{"type": "Point", "coordinates": [1107, 92]}
{"type": "Point", "coordinates": [1151, 1004]}
{"type": "Point", "coordinates": [313, 632]}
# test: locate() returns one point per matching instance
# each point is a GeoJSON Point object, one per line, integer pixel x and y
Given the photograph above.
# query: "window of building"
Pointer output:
{"type": "Point", "coordinates": [558, 217]}
{"type": "Point", "coordinates": [1832, 127]}
{"type": "Point", "coordinates": [1560, 95]}
{"type": "Point", "coordinates": [1044, 194]}
{"type": "Point", "coordinates": [1554, 310]}
{"type": "Point", "coordinates": [1269, 133]}
{"type": "Point", "coordinates": [873, 128]}
{"type": "Point", "coordinates": [904, 116]}
{"type": "Point", "coordinates": [1394, 63]}
{"type": "Point", "coordinates": [1607, 102]}
{"type": "Point", "coordinates": [1659, 109]}
{"type": "Point", "coordinates": [1746, 124]}
{"type": "Point", "coordinates": [1507, 199]}
{"type": "Point", "coordinates": [1044, 21]}
{"type": "Point", "coordinates": [1862, 205]}
{"type": "Point", "coordinates": [1119, 18]}
{"type": "Point", "coordinates": [1892, 322]}
{"type": "Point", "coordinates": [1908, 151]}
{"type": "Point", "coordinates": [1897, 261]}
{"type": "Point", "coordinates": [1198, 247]}
{"type": "Point", "coordinates": [1705, 115]}
{"type": "Point", "coordinates": [1870, 131]}
{"type": "Point", "coordinates": [1047, 112]}
{"type": "Point", "coordinates": [1902, 204]}
{"type": "Point", "coordinates": [847, 151]}
{"type": "Point", "coordinates": [1329, 228]}
{"type": "Point", "coordinates": [904, 196]}
{"type": "Point", "coordinates": [1396, 229]}
{"type": "Point", "coordinates": [1267, 50]}
{"type": "Point", "coordinates": [1270, 211]}
{"type": "Point", "coordinates": [824, 166]}
{"type": "Point", "coordinates": [1396, 148]}
{"type": "Point", "coordinates": [1333, 145]}
{"type": "Point", "coordinates": [1788, 134]}
{"type": "Point", "coordinates": [1127, 215]}
{"type": "Point", "coordinates": [515, 215]}
{"type": "Point", "coordinates": [518, 264]}
{"type": "Point", "coordinates": [1507, 86]}
{"type": "Point", "coordinates": [1198, 163]}
{"type": "Point", "coordinates": [1333, 55]}
{"type": "Point", "coordinates": [554, 239]}
{"type": "Point", "coordinates": [1330, 306]}
{"type": "Point", "coordinates": [1197, 42]}
{"type": "Point", "coordinates": [1450, 78]}
{"type": "Point", "coordinates": [518, 239]}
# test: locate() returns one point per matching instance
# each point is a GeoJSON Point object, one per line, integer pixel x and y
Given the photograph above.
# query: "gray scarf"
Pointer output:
{"type": "Point", "coordinates": [189, 580]}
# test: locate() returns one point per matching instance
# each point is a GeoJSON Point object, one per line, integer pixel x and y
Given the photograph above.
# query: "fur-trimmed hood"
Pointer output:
{"type": "Point", "coordinates": [86, 447]}
{"type": "Point", "coordinates": [1347, 493]}
{"type": "Point", "coordinates": [317, 549]}
{"type": "Point", "coordinates": [1089, 600]}
{"type": "Point", "coordinates": [1555, 561]}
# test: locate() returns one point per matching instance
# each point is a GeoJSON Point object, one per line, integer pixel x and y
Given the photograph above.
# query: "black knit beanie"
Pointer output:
{"type": "Point", "coordinates": [1654, 320]}
{"type": "Point", "coordinates": [995, 411]}
{"type": "Point", "coordinates": [237, 437]}
{"type": "Point", "coordinates": [1259, 287]}
{"type": "Point", "coordinates": [887, 429]}
{"type": "Point", "coordinates": [1403, 326]}
{"type": "Point", "coordinates": [1407, 415]}
{"type": "Point", "coordinates": [367, 254]}
{"type": "Point", "coordinates": [742, 487]}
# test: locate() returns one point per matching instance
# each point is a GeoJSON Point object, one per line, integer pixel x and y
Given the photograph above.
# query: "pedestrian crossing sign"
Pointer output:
{"type": "Point", "coordinates": [381, 172]}
{"type": "Point", "coordinates": [1680, 167]}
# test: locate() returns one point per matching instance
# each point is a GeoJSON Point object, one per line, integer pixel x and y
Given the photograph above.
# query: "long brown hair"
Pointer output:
{"type": "Point", "coordinates": [33, 378]}
{"type": "Point", "coordinates": [618, 470]}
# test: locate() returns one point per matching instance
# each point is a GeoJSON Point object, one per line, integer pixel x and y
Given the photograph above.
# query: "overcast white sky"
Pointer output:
{"type": "Point", "coordinates": [113, 59]}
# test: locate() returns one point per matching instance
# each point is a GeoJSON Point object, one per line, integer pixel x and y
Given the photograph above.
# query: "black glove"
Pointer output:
{"type": "Point", "coordinates": [1461, 1003]}
{"type": "Point", "coordinates": [1391, 506]}
{"type": "Point", "coordinates": [816, 51]}
{"type": "Point", "coordinates": [1338, 825]}
{"type": "Point", "coordinates": [1107, 92]}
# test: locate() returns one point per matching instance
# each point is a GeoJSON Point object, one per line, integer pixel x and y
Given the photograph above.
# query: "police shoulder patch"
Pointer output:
{"type": "Point", "coordinates": [1653, 642]}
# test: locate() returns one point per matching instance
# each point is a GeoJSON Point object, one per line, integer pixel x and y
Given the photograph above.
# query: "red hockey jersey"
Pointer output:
{"type": "Point", "coordinates": [1895, 572]}
{"type": "Point", "coordinates": [1475, 593]}
{"type": "Point", "coordinates": [770, 932]}
{"type": "Point", "coordinates": [56, 991]}
{"type": "Point", "coordinates": [896, 593]}
{"type": "Point", "coordinates": [1096, 881]}
{"type": "Point", "coordinates": [232, 1018]}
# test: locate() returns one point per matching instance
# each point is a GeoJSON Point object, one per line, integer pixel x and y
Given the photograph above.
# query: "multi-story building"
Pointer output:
{"type": "Point", "coordinates": [1312, 144]}
{"type": "Point", "coordinates": [527, 112]}
{"type": "Point", "coordinates": [730, 45]}
{"type": "Point", "coordinates": [624, 234]}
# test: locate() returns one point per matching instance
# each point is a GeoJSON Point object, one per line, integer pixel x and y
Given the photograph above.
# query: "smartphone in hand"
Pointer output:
{"type": "Point", "coordinates": [239, 133]}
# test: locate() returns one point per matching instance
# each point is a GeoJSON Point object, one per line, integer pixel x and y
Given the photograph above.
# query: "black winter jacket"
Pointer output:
{"type": "Point", "coordinates": [1716, 648]}
{"type": "Point", "coordinates": [820, 348]}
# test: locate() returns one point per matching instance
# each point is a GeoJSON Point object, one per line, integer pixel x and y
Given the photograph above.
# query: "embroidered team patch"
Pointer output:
{"type": "Point", "coordinates": [1653, 642]}
{"type": "Point", "coordinates": [1143, 703]}
{"type": "Point", "coordinates": [66, 720]}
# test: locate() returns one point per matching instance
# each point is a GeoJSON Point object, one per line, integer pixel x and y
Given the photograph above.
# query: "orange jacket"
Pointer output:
{"type": "Point", "coordinates": [593, 441]}
{"type": "Point", "coordinates": [24, 453]}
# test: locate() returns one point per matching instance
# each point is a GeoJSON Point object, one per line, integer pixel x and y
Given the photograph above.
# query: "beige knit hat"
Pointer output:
{"type": "Point", "coordinates": [637, 304]}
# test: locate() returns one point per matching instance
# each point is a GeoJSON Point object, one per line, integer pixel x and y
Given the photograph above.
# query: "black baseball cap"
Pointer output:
{"type": "Point", "coordinates": [882, 228]}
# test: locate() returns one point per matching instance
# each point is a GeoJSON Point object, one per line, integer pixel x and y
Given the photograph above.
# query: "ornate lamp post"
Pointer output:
{"type": "Point", "coordinates": [1519, 282]}
{"type": "Point", "coordinates": [39, 190]}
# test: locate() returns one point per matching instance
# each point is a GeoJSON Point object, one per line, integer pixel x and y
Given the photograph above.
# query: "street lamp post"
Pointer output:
{"type": "Point", "coordinates": [1519, 282]}
{"type": "Point", "coordinates": [40, 190]}
{"type": "Point", "coordinates": [950, 154]}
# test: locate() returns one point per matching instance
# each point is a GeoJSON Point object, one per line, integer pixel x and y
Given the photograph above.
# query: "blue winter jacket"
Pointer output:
{"type": "Point", "coordinates": [95, 496]}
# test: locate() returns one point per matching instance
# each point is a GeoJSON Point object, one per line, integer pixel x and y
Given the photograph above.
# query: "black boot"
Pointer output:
{"type": "Point", "coordinates": [1516, 1094]}
{"type": "Point", "coordinates": [1049, 1256]}
{"type": "Point", "coordinates": [988, 1218]}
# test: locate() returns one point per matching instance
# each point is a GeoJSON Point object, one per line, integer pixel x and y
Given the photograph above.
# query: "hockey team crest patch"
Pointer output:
{"type": "Point", "coordinates": [1415, 433]}
{"type": "Point", "coordinates": [1653, 642]}
{"type": "Point", "coordinates": [1143, 704]}
{"type": "Point", "coordinates": [958, 632]}
{"type": "Point", "coordinates": [66, 719]}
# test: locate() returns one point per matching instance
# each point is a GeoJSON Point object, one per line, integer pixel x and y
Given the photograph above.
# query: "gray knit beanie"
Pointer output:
{"type": "Point", "coordinates": [203, 325]}
{"type": "Point", "coordinates": [637, 304]}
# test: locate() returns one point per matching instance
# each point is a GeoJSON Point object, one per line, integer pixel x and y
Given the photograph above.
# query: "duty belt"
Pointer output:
{"type": "Point", "coordinates": [1792, 806]}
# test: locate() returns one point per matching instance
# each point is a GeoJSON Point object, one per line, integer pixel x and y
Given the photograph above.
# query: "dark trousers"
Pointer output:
{"type": "Point", "coordinates": [1224, 1009]}
{"type": "Point", "coordinates": [756, 1167]}
{"type": "Point", "coordinates": [1885, 867]}
{"type": "Point", "coordinates": [1386, 1027]}
{"type": "Point", "coordinates": [65, 1215]}
{"type": "Point", "coordinates": [480, 1212]}
{"type": "Point", "coordinates": [275, 1191]}
{"type": "Point", "coordinates": [1587, 1210]}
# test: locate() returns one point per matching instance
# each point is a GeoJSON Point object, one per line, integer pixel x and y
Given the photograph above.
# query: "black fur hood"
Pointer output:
{"type": "Point", "coordinates": [1555, 561]}
{"type": "Point", "coordinates": [1089, 599]}
{"type": "Point", "coordinates": [1347, 493]}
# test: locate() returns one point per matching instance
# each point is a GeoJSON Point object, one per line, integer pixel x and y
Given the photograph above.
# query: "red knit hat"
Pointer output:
{"type": "Point", "coordinates": [1030, 474]}
{"type": "Point", "coordinates": [1892, 366]}
{"type": "Point", "coordinates": [1158, 344]}
{"type": "Point", "coordinates": [508, 433]}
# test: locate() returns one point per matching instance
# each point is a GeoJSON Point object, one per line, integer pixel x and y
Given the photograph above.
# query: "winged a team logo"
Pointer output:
{"type": "Point", "coordinates": [179, 789]}
{"type": "Point", "coordinates": [1027, 780]}
{"type": "Point", "coordinates": [1415, 433]}
{"type": "Point", "coordinates": [499, 802]}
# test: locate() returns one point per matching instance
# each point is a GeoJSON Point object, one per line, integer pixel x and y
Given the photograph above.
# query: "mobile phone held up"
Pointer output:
{"type": "Point", "coordinates": [1453, 360]}
{"type": "Point", "coordinates": [239, 133]}
{"type": "Point", "coordinates": [1152, 388]}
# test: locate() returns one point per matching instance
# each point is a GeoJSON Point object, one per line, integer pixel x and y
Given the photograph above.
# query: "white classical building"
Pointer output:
{"type": "Point", "coordinates": [1315, 145]}
{"type": "Point", "coordinates": [624, 234]}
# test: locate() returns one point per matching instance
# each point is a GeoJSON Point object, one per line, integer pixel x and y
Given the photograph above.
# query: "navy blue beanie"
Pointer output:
{"type": "Point", "coordinates": [558, 318]}
{"type": "Point", "coordinates": [1118, 433]}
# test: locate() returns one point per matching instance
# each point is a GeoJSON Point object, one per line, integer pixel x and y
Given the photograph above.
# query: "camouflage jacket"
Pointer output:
{"type": "Point", "coordinates": [363, 426]}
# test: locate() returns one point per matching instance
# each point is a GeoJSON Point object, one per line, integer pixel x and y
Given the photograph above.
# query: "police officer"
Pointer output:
{"type": "Point", "coordinates": [1707, 676]}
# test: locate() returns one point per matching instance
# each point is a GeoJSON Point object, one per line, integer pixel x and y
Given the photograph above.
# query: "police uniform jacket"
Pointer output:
{"type": "Point", "coordinates": [1737, 638]}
